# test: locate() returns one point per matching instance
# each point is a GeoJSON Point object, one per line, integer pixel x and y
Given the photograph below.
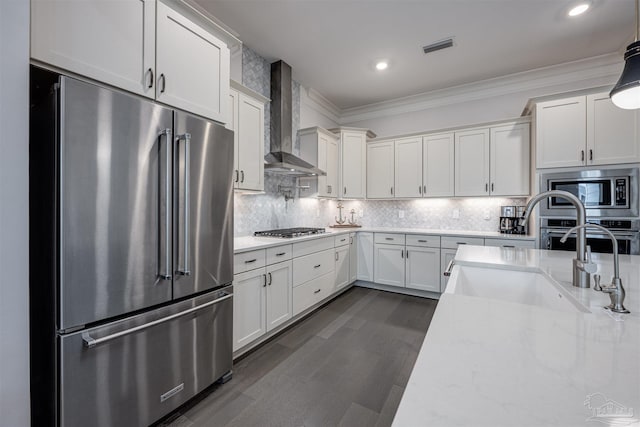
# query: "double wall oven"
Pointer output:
{"type": "Point", "coordinates": [610, 197]}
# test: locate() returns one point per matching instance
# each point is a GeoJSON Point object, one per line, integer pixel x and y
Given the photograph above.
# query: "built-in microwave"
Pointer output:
{"type": "Point", "coordinates": [605, 193]}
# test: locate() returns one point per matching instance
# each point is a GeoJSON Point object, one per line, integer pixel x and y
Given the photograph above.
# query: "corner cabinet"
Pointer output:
{"type": "Point", "coordinates": [141, 46]}
{"type": "Point", "coordinates": [585, 130]}
{"type": "Point", "coordinates": [247, 122]}
{"type": "Point", "coordinates": [352, 175]}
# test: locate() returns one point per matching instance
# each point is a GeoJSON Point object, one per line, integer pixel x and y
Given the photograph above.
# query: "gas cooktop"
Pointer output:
{"type": "Point", "coordinates": [289, 232]}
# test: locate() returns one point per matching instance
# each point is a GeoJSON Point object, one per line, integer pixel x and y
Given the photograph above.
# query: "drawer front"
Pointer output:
{"type": "Point", "coordinates": [422, 240]}
{"type": "Point", "coordinates": [452, 242]}
{"type": "Point", "coordinates": [278, 254]}
{"type": "Point", "coordinates": [511, 243]}
{"type": "Point", "coordinates": [311, 246]}
{"type": "Point", "coordinates": [248, 261]}
{"type": "Point", "coordinates": [313, 266]}
{"type": "Point", "coordinates": [341, 240]}
{"type": "Point", "coordinates": [389, 238]}
{"type": "Point", "coordinates": [312, 292]}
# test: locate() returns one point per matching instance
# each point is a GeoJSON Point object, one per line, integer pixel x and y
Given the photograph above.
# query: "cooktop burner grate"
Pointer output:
{"type": "Point", "coordinates": [289, 232]}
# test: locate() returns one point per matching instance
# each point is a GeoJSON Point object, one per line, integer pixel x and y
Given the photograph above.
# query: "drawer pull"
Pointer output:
{"type": "Point", "coordinates": [508, 246]}
{"type": "Point", "coordinates": [389, 238]}
{"type": "Point", "coordinates": [251, 260]}
{"type": "Point", "coordinates": [317, 266]}
{"type": "Point", "coordinates": [318, 291]}
{"type": "Point", "coordinates": [461, 243]}
{"type": "Point", "coordinates": [422, 241]}
{"type": "Point", "coordinates": [281, 254]}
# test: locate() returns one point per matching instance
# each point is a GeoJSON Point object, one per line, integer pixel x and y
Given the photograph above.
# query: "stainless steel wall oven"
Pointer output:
{"type": "Point", "coordinates": [627, 232]}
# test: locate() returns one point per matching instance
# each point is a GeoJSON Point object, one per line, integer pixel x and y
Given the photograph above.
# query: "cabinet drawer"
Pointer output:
{"type": "Point", "coordinates": [312, 292]}
{"type": "Point", "coordinates": [389, 238]}
{"type": "Point", "coordinates": [311, 246]}
{"type": "Point", "coordinates": [341, 240]}
{"type": "Point", "coordinates": [278, 254]}
{"type": "Point", "coordinates": [452, 242]}
{"type": "Point", "coordinates": [248, 261]}
{"type": "Point", "coordinates": [510, 243]}
{"type": "Point", "coordinates": [312, 266]}
{"type": "Point", "coordinates": [422, 240]}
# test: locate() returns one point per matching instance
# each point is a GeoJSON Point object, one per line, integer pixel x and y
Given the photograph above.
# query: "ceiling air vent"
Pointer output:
{"type": "Point", "coordinates": [442, 44]}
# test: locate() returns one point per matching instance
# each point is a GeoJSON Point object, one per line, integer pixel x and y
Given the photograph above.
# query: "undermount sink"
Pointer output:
{"type": "Point", "coordinates": [519, 287]}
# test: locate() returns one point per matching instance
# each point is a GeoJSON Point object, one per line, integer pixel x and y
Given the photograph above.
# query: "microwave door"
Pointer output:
{"type": "Point", "coordinates": [112, 149]}
{"type": "Point", "coordinates": [203, 205]}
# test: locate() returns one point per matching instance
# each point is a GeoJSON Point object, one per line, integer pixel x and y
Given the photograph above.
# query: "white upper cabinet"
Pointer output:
{"type": "Point", "coordinates": [319, 147]}
{"type": "Point", "coordinates": [380, 170]}
{"type": "Point", "coordinates": [109, 41]}
{"type": "Point", "coordinates": [352, 176]}
{"type": "Point", "coordinates": [408, 167]}
{"type": "Point", "coordinates": [142, 46]}
{"type": "Point", "coordinates": [472, 162]}
{"type": "Point", "coordinates": [247, 122]}
{"type": "Point", "coordinates": [613, 134]}
{"type": "Point", "coordinates": [438, 162]}
{"type": "Point", "coordinates": [509, 164]}
{"type": "Point", "coordinates": [585, 130]}
{"type": "Point", "coordinates": [192, 66]}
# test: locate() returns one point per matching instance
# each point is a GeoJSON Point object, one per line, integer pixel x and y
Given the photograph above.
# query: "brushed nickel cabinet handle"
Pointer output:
{"type": "Point", "coordinates": [317, 266]}
{"type": "Point", "coordinates": [318, 291]}
{"type": "Point", "coordinates": [241, 176]}
{"type": "Point", "coordinates": [250, 261]}
{"type": "Point", "coordinates": [281, 254]}
{"type": "Point", "coordinates": [164, 83]}
{"type": "Point", "coordinates": [270, 278]}
{"type": "Point", "coordinates": [590, 154]}
{"type": "Point", "coordinates": [264, 276]}
{"type": "Point", "coordinates": [150, 71]}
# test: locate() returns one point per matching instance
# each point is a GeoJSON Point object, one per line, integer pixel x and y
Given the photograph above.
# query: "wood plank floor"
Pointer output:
{"type": "Point", "coordinates": [345, 365]}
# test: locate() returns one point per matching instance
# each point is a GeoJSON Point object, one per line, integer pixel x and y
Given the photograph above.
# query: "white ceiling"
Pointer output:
{"type": "Point", "coordinates": [332, 45]}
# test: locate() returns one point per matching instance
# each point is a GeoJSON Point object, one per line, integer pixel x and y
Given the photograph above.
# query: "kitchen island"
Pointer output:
{"type": "Point", "coordinates": [491, 362]}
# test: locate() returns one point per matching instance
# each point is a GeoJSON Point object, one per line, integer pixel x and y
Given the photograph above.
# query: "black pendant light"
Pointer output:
{"type": "Point", "coordinates": [626, 93]}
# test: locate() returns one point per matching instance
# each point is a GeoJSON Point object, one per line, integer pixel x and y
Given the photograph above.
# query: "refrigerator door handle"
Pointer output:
{"type": "Point", "coordinates": [186, 137]}
{"type": "Point", "coordinates": [166, 269]}
{"type": "Point", "coordinates": [90, 342]}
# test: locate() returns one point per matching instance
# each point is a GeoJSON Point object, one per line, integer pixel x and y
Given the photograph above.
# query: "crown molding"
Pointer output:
{"type": "Point", "coordinates": [604, 68]}
{"type": "Point", "coordinates": [323, 105]}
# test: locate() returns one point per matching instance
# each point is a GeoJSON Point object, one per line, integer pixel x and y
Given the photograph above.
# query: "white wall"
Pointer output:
{"type": "Point", "coordinates": [14, 213]}
{"type": "Point", "coordinates": [312, 114]}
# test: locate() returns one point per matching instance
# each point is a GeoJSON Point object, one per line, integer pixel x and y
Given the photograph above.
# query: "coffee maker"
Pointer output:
{"type": "Point", "coordinates": [510, 220]}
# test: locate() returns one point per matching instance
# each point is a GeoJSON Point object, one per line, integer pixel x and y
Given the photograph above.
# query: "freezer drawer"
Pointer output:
{"type": "Point", "coordinates": [134, 371]}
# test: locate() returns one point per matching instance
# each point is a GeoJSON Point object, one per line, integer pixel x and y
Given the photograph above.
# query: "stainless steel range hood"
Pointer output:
{"type": "Point", "coordinates": [281, 159]}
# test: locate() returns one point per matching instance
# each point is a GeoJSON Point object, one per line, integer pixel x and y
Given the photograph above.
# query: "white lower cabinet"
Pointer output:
{"type": "Point", "coordinates": [342, 266]}
{"type": "Point", "coordinates": [353, 257]}
{"type": "Point", "coordinates": [279, 299]}
{"type": "Point", "coordinates": [446, 256]}
{"type": "Point", "coordinates": [365, 256]}
{"type": "Point", "coordinates": [312, 292]}
{"type": "Point", "coordinates": [422, 268]}
{"type": "Point", "coordinates": [389, 264]}
{"type": "Point", "coordinates": [249, 305]}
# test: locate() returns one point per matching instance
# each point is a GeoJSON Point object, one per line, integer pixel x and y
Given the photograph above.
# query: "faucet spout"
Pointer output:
{"type": "Point", "coordinates": [581, 277]}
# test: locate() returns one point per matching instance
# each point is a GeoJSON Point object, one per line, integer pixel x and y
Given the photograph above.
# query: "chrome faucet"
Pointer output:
{"type": "Point", "coordinates": [582, 265]}
{"type": "Point", "coordinates": [615, 289]}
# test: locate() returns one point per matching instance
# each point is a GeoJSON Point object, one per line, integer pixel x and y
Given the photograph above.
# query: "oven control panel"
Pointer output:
{"type": "Point", "coordinates": [621, 192]}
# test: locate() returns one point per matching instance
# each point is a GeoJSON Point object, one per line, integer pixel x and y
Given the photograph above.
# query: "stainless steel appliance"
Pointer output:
{"type": "Point", "coordinates": [131, 255]}
{"type": "Point", "coordinates": [605, 193]}
{"type": "Point", "coordinates": [510, 220]}
{"type": "Point", "coordinates": [627, 232]}
{"type": "Point", "coordinates": [289, 232]}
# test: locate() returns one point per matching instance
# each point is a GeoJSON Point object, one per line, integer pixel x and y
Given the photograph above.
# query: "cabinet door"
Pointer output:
{"type": "Point", "coordinates": [354, 168]}
{"type": "Point", "coordinates": [510, 160]}
{"type": "Point", "coordinates": [323, 185]}
{"type": "Point", "coordinates": [365, 256]}
{"type": "Point", "coordinates": [342, 267]}
{"type": "Point", "coordinates": [423, 268]}
{"type": "Point", "coordinates": [332, 167]}
{"type": "Point", "coordinates": [561, 132]}
{"type": "Point", "coordinates": [232, 124]}
{"type": "Point", "coordinates": [279, 294]}
{"type": "Point", "coordinates": [250, 143]}
{"type": "Point", "coordinates": [446, 256]}
{"type": "Point", "coordinates": [249, 305]}
{"type": "Point", "coordinates": [353, 257]}
{"type": "Point", "coordinates": [109, 41]}
{"type": "Point", "coordinates": [408, 167]}
{"type": "Point", "coordinates": [389, 265]}
{"type": "Point", "coordinates": [380, 170]}
{"type": "Point", "coordinates": [438, 165]}
{"type": "Point", "coordinates": [472, 163]}
{"type": "Point", "coordinates": [192, 66]}
{"type": "Point", "coordinates": [612, 133]}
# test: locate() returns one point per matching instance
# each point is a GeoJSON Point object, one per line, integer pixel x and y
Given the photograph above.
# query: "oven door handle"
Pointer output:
{"type": "Point", "coordinates": [592, 234]}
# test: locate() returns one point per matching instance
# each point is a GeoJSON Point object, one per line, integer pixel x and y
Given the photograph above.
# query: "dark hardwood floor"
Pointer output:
{"type": "Point", "coordinates": [345, 365]}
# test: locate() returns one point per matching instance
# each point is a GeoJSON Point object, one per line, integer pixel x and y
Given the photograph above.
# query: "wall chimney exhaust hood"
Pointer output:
{"type": "Point", "coordinates": [280, 159]}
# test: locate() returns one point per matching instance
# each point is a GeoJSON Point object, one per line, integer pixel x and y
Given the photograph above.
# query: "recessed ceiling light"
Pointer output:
{"type": "Point", "coordinates": [579, 9]}
{"type": "Point", "coordinates": [382, 65]}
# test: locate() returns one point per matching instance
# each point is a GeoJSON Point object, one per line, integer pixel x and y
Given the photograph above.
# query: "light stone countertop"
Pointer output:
{"type": "Point", "coordinates": [486, 362]}
{"type": "Point", "coordinates": [250, 243]}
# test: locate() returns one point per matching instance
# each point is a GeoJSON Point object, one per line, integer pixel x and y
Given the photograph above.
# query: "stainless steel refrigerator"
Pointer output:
{"type": "Point", "coordinates": [131, 213]}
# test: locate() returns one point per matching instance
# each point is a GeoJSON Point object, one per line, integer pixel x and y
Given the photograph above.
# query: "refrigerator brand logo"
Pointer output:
{"type": "Point", "coordinates": [177, 389]}
{"type": "Point", "coordinates": [608, 411]}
